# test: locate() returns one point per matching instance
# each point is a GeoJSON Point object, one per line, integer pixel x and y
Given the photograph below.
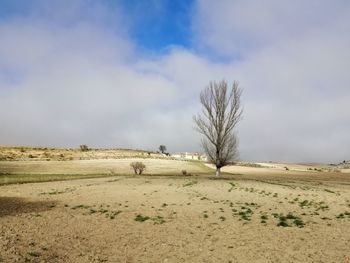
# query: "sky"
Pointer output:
{"type": "Point", "coordinates": [128, 74]}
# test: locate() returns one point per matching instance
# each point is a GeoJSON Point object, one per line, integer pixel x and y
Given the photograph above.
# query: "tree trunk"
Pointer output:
{"type": "Point", "coordinates": [218, 172]}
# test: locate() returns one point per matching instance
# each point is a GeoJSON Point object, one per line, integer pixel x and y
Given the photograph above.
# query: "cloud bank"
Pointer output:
{"type": "Point", "coordinates": [73, 75]}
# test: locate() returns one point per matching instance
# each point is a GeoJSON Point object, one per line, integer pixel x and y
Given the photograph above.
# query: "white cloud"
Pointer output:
{"type": "Point", "coordinates": [78, 80]}
{"type": "Point", "coordinates": [73, 85]}
{"type": "Point", "coordinates": [292, 59]}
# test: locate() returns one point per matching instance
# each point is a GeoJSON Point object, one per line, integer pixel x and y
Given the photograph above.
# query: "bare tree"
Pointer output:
{"type": "Point", "coordinates": [221, 111]}
{"type": "Point", "coordinates": [84, 148]}
{"type": "Point", "coordinates": [162, 148]}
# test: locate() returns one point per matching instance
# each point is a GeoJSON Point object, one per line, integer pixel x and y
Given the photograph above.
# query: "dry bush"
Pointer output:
{"type": "Point", "coordinates": [84, 148]}
{"type": "Point", "coordinates": [138, 167]}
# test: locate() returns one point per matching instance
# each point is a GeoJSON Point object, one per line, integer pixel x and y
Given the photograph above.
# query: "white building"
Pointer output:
{"type": "Point", "coordinates": [190, 156]}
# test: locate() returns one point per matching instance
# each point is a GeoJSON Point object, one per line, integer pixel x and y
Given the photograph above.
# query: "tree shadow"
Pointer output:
{"type": "Point", "coordinates": [10, 206]}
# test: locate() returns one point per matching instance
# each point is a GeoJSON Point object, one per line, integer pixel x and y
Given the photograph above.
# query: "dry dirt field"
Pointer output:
{"type": "Point", "coordinates": [248, 215]}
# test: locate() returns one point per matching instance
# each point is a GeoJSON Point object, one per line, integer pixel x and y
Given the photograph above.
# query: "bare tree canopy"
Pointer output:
{"type": "Point", "coordinates": [138, 167]}
{"type": "Point", "coordinates": [221, 111]}
{"type": "Point", "coordinates": [162, 148]}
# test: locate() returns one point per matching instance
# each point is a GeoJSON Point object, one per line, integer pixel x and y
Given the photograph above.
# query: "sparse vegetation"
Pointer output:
{"type": "Point", "coordinates": [141, 218]}
{"type": "Point", "coordinates": [34, 254]}
{"type": "Point", "coordinates": [283, 220]}
{"type": "Point", "coordinates": [80, 206]}
{"type": "Point", "coordinates": [169, 203]}
{"type": "Point", "coordinates": [57, 192]}
{"type": "Point", "coordinates": [329, 191]}
{"type": "Point", "coordinates": [158, 220]}
{"type": "Point", "coordinates": [138, 167]}
{"type": "Point", "coordinates": [84, 148]}
{"type": "Point", "coordinates": [245, 213]}
{"type": "Point", "coordinates": [345, 214]}
{"type": "Point", "coordinates": [232, 186]}
{"type": "Point", "coordinates": [190, 183]}
{"type": "Point", "coordinates": [264, 219]}
{"type": "Point", "coordinates": [304, 203]}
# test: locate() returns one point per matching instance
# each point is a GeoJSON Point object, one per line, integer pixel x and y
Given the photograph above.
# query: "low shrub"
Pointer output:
{"type": "Point", "coordinates": [138, 167]}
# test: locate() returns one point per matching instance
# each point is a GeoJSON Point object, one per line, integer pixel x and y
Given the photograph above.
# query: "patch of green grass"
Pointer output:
{"type": "Point", "coordinates": [291, 216]}
{"type": "Point", "coordinates": [343, 215]}
{"type": "Point", "coordinates": [245, 214]}
{"type": "Point", "coordinates": [222, 218]}
{"type": "Point", "coordinates": [190, 183]}
{"type": "Point", "coordinates": [57, 192]}
{"type": "Point", "coordinates": [283, 224]}
{"type": "Point", "coordinates": [101, 210]}
{"type": "Point", "coordinates": [284, 221]}
{"type": "Point", "coordinates": [34, 254]}
{"type": "Point", "coordinates": [298, 222]}
{"type": "Point", "coordinates": [113, 214]}
{"type": "Point", "coordinates": [93, 211]}
{"type": "Point", "coordinates": [305, 203]}
{"type": "Point", "coordinates": [113, 180]}
{"type": "Point", "coordinates": [99, 259]}
{"type": "Point", "coordinates": [232, 187]}
{"type": "Point", "coordinates": [80, 206]}
{"type": "Point", "coordinates": [36, 215]}
{"type": "Point", "coordinates": [322, 207]}
{"type": "Point", "coordinates": [264, 217]}
{"type": "Point", "coordinates": [158, 220]}
{"type": "Point", "coordinates": [141, 218]}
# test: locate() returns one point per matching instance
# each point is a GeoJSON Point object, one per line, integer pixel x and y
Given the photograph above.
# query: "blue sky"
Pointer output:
{"type": "Point", "coordinates": [159, 24]}
{"type": "Point", "coordinates": [154, 24]}
{"type": "Point", "coordinates": [129, 73]}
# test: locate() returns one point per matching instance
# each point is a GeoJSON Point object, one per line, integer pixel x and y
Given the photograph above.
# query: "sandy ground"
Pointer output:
{"type": "Point", "coordinates": [109, 166]}
{"type": "Point", "coordinates": [186, 219]}
{"type": "Point", "coordinates": [19, 153]}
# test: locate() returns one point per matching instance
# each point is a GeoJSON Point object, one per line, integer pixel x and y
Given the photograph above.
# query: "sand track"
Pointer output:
{"type": "Point", "coordinates": [191, 219]}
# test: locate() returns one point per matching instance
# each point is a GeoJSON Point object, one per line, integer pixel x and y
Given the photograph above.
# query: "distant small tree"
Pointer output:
{"type": "Point", "coordinates": [221, 111]}
{"type": "Point", "coordinates": [138, 167]}
{"type": "Point", "coordinates": [84, 148]}
{"type": "Point", "coordinates": [162, 148]}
